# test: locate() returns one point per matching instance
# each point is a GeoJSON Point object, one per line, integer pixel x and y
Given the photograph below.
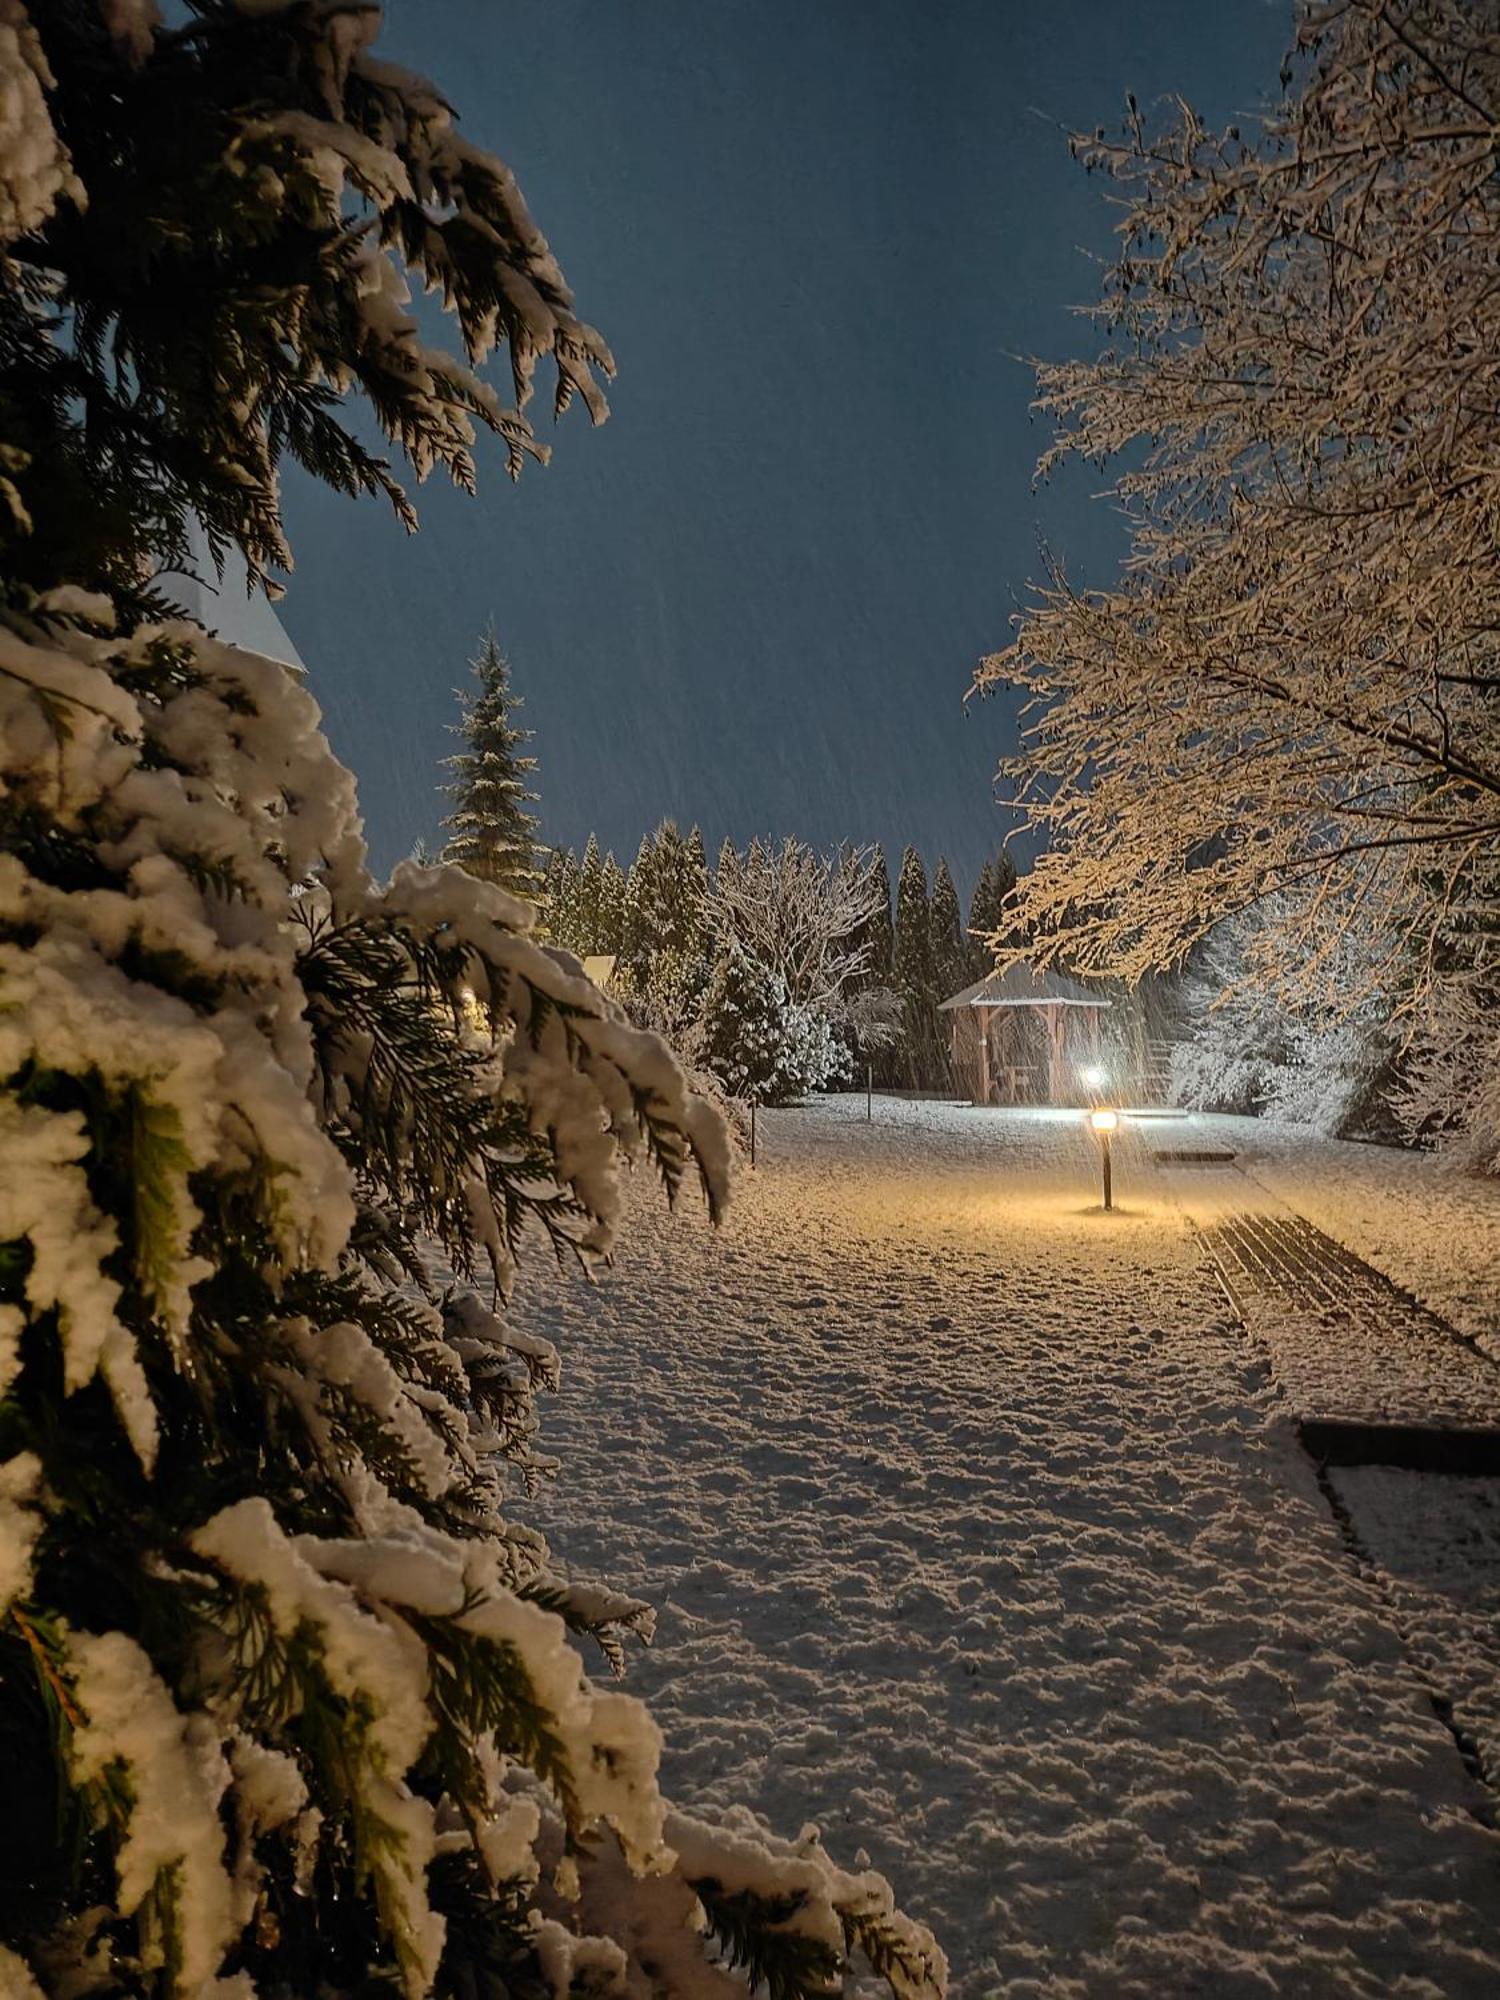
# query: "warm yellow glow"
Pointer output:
{"type": "Point", "coordinates": [1104, 1121]}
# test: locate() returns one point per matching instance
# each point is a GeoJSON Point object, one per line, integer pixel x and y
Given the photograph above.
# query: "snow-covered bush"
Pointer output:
{"type": "Point", "coordinates": [762, 1046]}
{"type": "Point", "coordinates": [1315, 1052]}
{"type": "Point", "coordinates": [290, 1702]}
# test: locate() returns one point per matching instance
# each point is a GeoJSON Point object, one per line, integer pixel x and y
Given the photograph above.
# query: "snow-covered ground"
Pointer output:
{"type": "Point", "coordinates": [980, 1537]}
{"type": "Point", "coordinates": [1433, 1230]}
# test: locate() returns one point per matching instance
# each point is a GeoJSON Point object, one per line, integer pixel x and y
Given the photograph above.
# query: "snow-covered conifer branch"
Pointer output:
{"type": "Point", "coordinates": [303, 1691]}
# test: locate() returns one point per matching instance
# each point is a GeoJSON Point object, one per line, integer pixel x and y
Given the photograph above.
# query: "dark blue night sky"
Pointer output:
{"type": "Point", "coordinates": [815, 233]}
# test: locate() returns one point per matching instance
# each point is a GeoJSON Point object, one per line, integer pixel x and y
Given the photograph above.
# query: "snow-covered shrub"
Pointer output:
{"type": "Point", "coordinates": [1299, 1051]}
{"type": "Point", "coordinates": [290, 1702]}
{"type": "Point", "coordinates": [762, 1046]}
{"type": "Point", "coordinates": [817, 1051]}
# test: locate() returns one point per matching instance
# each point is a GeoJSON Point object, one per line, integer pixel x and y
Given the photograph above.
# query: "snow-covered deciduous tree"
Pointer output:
{"type": "Point", "coordinates": [1296, 688]}
{"type": "Point", "coordinates": [802, 915]}
{"type": "Point", "coordinates": [492, 834]}
{"type": "Point", "coordinates": [795, 934]}
{"type": "Point", "coordinates": [289, 1699]}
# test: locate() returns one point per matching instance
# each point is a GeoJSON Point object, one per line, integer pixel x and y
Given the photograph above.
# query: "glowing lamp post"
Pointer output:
{"type": "Point", "coordinates": [1104, 1123]}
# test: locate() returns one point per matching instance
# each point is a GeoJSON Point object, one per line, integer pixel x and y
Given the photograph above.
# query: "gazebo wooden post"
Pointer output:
{"type": "Point", "coordinates": [981, 1016]}
{"type": "Point", "coordinates": [1054, 1014]}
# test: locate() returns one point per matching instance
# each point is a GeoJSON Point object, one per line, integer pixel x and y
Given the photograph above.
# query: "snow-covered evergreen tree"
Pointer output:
{"type": "Point", "coordinates": [590, 897]}
{"type": "Point", "coordinates": [914, 977]}
{"type": "Point", "coordinates": [610, 922]}
{"type": "Point", "coordinates": [1254, 1044]}
{"type": "Point", "coordinates": [991, 915]}
{"type": "Point", "coordinates": [560, 898]}
{"type": "Point", "coordinates": [667, 961]}
{"type": "Point", "coordinates": [977, 956]}
{"type": "Point", "coordinates": [492, 834]}
{"type": "Point", "coordinates": [950, 961]}
{"type": "Point", "coordinates": [758, 1042]}
{"type": "Point", "coordinates": [288, 1700]}
{"type": "Point", "coordinates": [879, 937]}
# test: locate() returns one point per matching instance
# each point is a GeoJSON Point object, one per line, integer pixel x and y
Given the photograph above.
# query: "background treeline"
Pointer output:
{"type": "Point", "coordinates": [775, 969]}
{"type": "Point", "coordinates": [779, 969]}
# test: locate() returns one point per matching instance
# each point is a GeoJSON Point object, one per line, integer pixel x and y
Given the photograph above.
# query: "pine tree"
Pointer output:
{"type": "Point", "coordinates": [914, 977]}
{"type": "Point", "coordinates": [288, 1703]}
{"type": "Point", "coordinates": [492, 834]}
{"type": "Point", "coordinates": [949, 959]}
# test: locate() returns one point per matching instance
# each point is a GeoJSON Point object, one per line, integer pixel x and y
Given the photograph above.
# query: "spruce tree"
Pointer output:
{"type": "Point", "coordinates": [696, 886]}
{"type": "Point", "coordinates": [492, 835]}
{"type": "Point", "coordinates": [978, 955]}
{"type": "Point", "coordinates": [879, 1019]}
{"type": "Point", "coordinates": [914, 977]}
{"type": "Point", "coordinates": [882, 933]}
{"type": "Point", "coordinates": [667, 961]}
{"type": "Point", "coordinates": [635, 932]}
{"type": "Point", "coordinates": [949, 959]}
{"type": "Point", "coordinates": [288, 1702]}
{"type": "Point", "coordinates": [991, 915]}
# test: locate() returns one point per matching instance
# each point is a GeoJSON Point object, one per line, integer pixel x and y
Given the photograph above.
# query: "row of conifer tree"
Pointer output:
{"type": "Point", "coordinates": [655, 917]}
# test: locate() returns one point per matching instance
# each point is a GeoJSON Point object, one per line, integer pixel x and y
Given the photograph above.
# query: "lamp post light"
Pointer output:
{"type": "Point", "coordinates": [1094, 1076]}
{"type": "Point", "coordinates": [1104, 1123]}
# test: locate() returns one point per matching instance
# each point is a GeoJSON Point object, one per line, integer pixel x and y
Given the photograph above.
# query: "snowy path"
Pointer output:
{"type": "Point", "coordinates": [980, 1537]}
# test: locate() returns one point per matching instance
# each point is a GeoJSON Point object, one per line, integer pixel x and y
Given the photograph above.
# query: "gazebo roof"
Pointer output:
{"type": "Point", "coordinates": [1021, 986]}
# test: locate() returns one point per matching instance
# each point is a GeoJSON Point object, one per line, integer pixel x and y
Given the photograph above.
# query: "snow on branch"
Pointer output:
{"type": "Point", "coordinates": [1295, 684]}
{"type": "Point", "coordinates": [799, 914]}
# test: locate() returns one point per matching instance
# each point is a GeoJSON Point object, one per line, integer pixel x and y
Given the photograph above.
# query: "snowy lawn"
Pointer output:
{"type": "Point", "coordinates": [980, 1538]}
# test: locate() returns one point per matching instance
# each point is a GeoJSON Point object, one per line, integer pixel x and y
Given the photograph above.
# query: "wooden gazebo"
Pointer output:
{"type": "Point", "coordinates": [1020, 1036]}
